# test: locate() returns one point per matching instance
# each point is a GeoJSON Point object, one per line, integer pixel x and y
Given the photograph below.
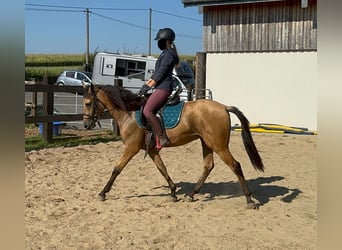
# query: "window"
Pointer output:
{"type": "Point", "coordinates": [70, 74]}
{"type": "Point", "coordinates": [132, 65]}
{"type": "Point", "coordinates": [81, 77]}
{"type": "Point", "coordinates": [130, 69]}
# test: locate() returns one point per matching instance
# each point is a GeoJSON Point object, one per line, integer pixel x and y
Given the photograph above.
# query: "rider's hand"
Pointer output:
{"type": "Point", "coordinates": [144, 90]}
{"type": "Point", "coordinates": [151, 83]}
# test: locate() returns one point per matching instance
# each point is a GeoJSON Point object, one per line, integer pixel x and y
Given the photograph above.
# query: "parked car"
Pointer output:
{"type": "Point", "coordinates": [185, 73]}
{"type": "Point", "coordinates": [73, 78]}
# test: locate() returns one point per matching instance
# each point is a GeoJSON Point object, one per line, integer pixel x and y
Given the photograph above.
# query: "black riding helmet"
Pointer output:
{"type": "Point", "coordinates": [165, 34]}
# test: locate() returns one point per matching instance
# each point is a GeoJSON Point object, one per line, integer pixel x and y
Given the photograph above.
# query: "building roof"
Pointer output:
{"type": "Point", "coordinates": [188, 3]}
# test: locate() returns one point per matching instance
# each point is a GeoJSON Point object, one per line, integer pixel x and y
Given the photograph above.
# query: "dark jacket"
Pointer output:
{"type": "Point", "coordinates": [163, 70]}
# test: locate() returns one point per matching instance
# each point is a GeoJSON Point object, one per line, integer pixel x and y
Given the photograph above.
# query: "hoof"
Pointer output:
{"type": "Point", "coordinates": [173, 198]}
{"type": "Point", "coordinates": [251, 205]}
{"type": "Point", "coordinates": [101, 197]}
{"type": "Point", "coordinates": [189, 197]}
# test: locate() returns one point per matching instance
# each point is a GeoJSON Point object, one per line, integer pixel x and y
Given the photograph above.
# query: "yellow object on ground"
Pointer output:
{"type": "Point", "coordinates": [261, 130]}
{"type": "Point", "coordinates": [276, 128]}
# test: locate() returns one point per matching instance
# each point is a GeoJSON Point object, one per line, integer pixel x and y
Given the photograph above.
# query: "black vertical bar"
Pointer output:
{"type": "Point", "coordinates": [116, 130]}
{"type": "Point", "coordinates": [48, 110]}
{"type": "Point", "coordinates": [150, 32]}
{"type": "Point", "coordinates": [200, 84]}
{"type": "Point", "coordinates": [87, 66]}
{"type": "Point", "coordinates": [34, 103]}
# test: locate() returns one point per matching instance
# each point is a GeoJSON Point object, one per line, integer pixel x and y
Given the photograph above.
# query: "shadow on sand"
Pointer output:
{"type": "Point", "coordinates": [260, 187]}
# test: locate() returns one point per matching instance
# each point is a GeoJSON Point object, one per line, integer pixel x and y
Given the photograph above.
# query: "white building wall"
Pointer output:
{"type": "Point", "coordinates": [267, 87]}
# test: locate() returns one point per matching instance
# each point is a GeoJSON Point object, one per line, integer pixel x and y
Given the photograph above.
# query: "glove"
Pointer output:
{"type": "Point", "coordinates": [144, 90]}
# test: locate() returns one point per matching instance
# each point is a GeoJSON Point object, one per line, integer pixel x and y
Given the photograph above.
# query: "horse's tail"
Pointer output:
{"type": "Point", "coordinates": [247, 139]}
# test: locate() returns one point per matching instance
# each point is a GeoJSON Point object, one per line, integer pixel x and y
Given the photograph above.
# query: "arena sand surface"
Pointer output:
{"type": "Point", "coordinates": [62, 210]}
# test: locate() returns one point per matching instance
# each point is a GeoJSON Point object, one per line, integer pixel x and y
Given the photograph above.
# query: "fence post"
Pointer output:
{"type": "Point", "coordinates": [116, 131]}
{"type": "Point", "coordinates": [48, 109]}
{"type": "Point", "coordinates": [34, 102]}
{"type": "Point", "coordinates": [200, 84]}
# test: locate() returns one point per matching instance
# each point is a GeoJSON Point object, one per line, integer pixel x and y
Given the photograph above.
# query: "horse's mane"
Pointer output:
{"type": "Point", "coordinates": [122, 98]}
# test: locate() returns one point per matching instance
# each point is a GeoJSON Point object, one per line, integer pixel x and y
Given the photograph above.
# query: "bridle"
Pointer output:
{"type": "Point", "coordinates": [95, 115]}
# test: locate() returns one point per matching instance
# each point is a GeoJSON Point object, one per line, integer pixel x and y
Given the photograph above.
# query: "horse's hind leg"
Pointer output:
{"type": "Point", "coordinates": [235, 166]}
{"type": "Point", "coordinates": [154, 154]}
{"type": "Point", "coordinates": [208, 160]}
{"type": "Point", "coordinates": [121, 163]}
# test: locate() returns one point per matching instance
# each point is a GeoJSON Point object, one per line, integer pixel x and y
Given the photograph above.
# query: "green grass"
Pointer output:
{"type": "Point", "coordinates": [51, 60]}
{"type": "Point", "coordinates": [38, 65]}
{"type": "Point", "coordinates": [37, 142]}
{"type": "Point", "coordinates": [38, 72]}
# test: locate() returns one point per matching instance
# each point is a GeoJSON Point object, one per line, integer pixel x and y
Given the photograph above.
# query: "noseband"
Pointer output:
{"type": "Point", "coordinates": [98, 105]}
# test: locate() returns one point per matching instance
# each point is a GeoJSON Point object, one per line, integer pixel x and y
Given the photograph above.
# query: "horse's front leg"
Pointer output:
{"type": "Point", "coordinates": [120, 164]}
{"type": "Point", "coordinates": [154, 154]}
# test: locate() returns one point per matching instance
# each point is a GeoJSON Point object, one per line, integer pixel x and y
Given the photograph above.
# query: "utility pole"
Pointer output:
{"type": "Point", "coordinates": [150, 32]}
{"type": "Point", "coordinates": [86, 67]}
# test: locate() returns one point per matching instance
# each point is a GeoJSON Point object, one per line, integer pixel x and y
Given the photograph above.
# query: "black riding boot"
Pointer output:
{"type": "Point", "coordinates": [154, 121]}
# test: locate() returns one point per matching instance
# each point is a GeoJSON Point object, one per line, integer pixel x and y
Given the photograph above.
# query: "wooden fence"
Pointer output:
{"type": "Point", "coordinates": [48, 117]}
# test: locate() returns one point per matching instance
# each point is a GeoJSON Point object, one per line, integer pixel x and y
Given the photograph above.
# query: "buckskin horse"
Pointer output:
{"type": "Point", "coordinates": [202, 119]}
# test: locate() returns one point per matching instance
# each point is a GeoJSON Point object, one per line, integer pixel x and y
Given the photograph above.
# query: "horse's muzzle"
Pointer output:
{"type": "Point", "coordinates": [88, 123]}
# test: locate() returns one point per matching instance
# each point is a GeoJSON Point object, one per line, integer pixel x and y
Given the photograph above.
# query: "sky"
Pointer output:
{"type": "Point", "coordinates": [59, 27]}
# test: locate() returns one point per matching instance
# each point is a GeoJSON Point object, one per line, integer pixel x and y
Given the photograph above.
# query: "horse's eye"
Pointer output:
{"type": "Point", "coordinates": [87, 102]}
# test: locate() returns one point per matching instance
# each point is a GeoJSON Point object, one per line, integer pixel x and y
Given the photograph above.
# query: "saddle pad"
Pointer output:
{"type": "Point", "coordinates": [171, 115]}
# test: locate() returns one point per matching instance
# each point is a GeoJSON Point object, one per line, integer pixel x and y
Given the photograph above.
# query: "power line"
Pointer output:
{"type": "Point", "coordinates": [142, 27]}
{"type": "Point", "coordinates": [54, 6]}
{"type": "Point", "coordinates": [169, 14]}
{"type": "Point", "coordinates": [56, 10]}
{"type": "Point", "coordinates": [113, 9]}
{"type": "Point", "coordinates": [80, 7]}
{"type": "Point", "coordinates": [120, 21]}
{"type": "Point", "coordinates": [63, 8]}
{"type": "Point", "coordinates": [111, 18]}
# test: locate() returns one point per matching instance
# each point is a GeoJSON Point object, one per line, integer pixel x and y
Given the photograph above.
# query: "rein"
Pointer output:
{"type": "Point", "coordinates": [97, 106]}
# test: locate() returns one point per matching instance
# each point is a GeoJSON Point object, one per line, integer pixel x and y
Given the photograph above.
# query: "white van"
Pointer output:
{"type": "Point", "coordinates": [134, 72]}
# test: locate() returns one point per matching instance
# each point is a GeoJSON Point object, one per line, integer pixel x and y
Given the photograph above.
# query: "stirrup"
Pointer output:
{"type": "Point", "coordinates": [148, 140]}
{"type": "Point", "coordinates": [159, 146]}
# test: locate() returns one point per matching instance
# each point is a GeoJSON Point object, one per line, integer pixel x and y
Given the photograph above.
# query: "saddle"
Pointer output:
{"type": "Point", "coordinates": [169, 117]}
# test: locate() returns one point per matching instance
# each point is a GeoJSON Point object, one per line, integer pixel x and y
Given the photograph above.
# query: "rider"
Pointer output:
{"type": "Point", "coordinates": [161, 80]}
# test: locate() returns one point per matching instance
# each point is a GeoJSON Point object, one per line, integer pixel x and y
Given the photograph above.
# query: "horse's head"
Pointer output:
{"type": "Point", "coordinates": [93, 108]}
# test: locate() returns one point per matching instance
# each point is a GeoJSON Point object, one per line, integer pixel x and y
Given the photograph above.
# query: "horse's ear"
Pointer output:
{"type": "Point", "coordinates": [86, 86]}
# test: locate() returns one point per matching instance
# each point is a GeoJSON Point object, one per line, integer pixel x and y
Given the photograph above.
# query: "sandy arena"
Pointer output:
{"type": "Point", "coordinates": [62, 210]}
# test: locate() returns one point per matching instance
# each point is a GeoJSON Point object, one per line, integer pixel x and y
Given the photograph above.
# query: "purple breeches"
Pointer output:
{"type": "Point", "coordinates": [156, 101]}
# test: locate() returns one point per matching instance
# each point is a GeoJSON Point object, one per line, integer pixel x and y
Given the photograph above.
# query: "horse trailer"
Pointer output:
{"type": "Point", "coordinates": [134, 71]}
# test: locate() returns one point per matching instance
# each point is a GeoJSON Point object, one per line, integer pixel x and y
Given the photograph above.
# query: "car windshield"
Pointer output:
{"type": "Point", "coordinates": [89, 74]}
{"type": "Point", "coordinates": [83, 76]}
